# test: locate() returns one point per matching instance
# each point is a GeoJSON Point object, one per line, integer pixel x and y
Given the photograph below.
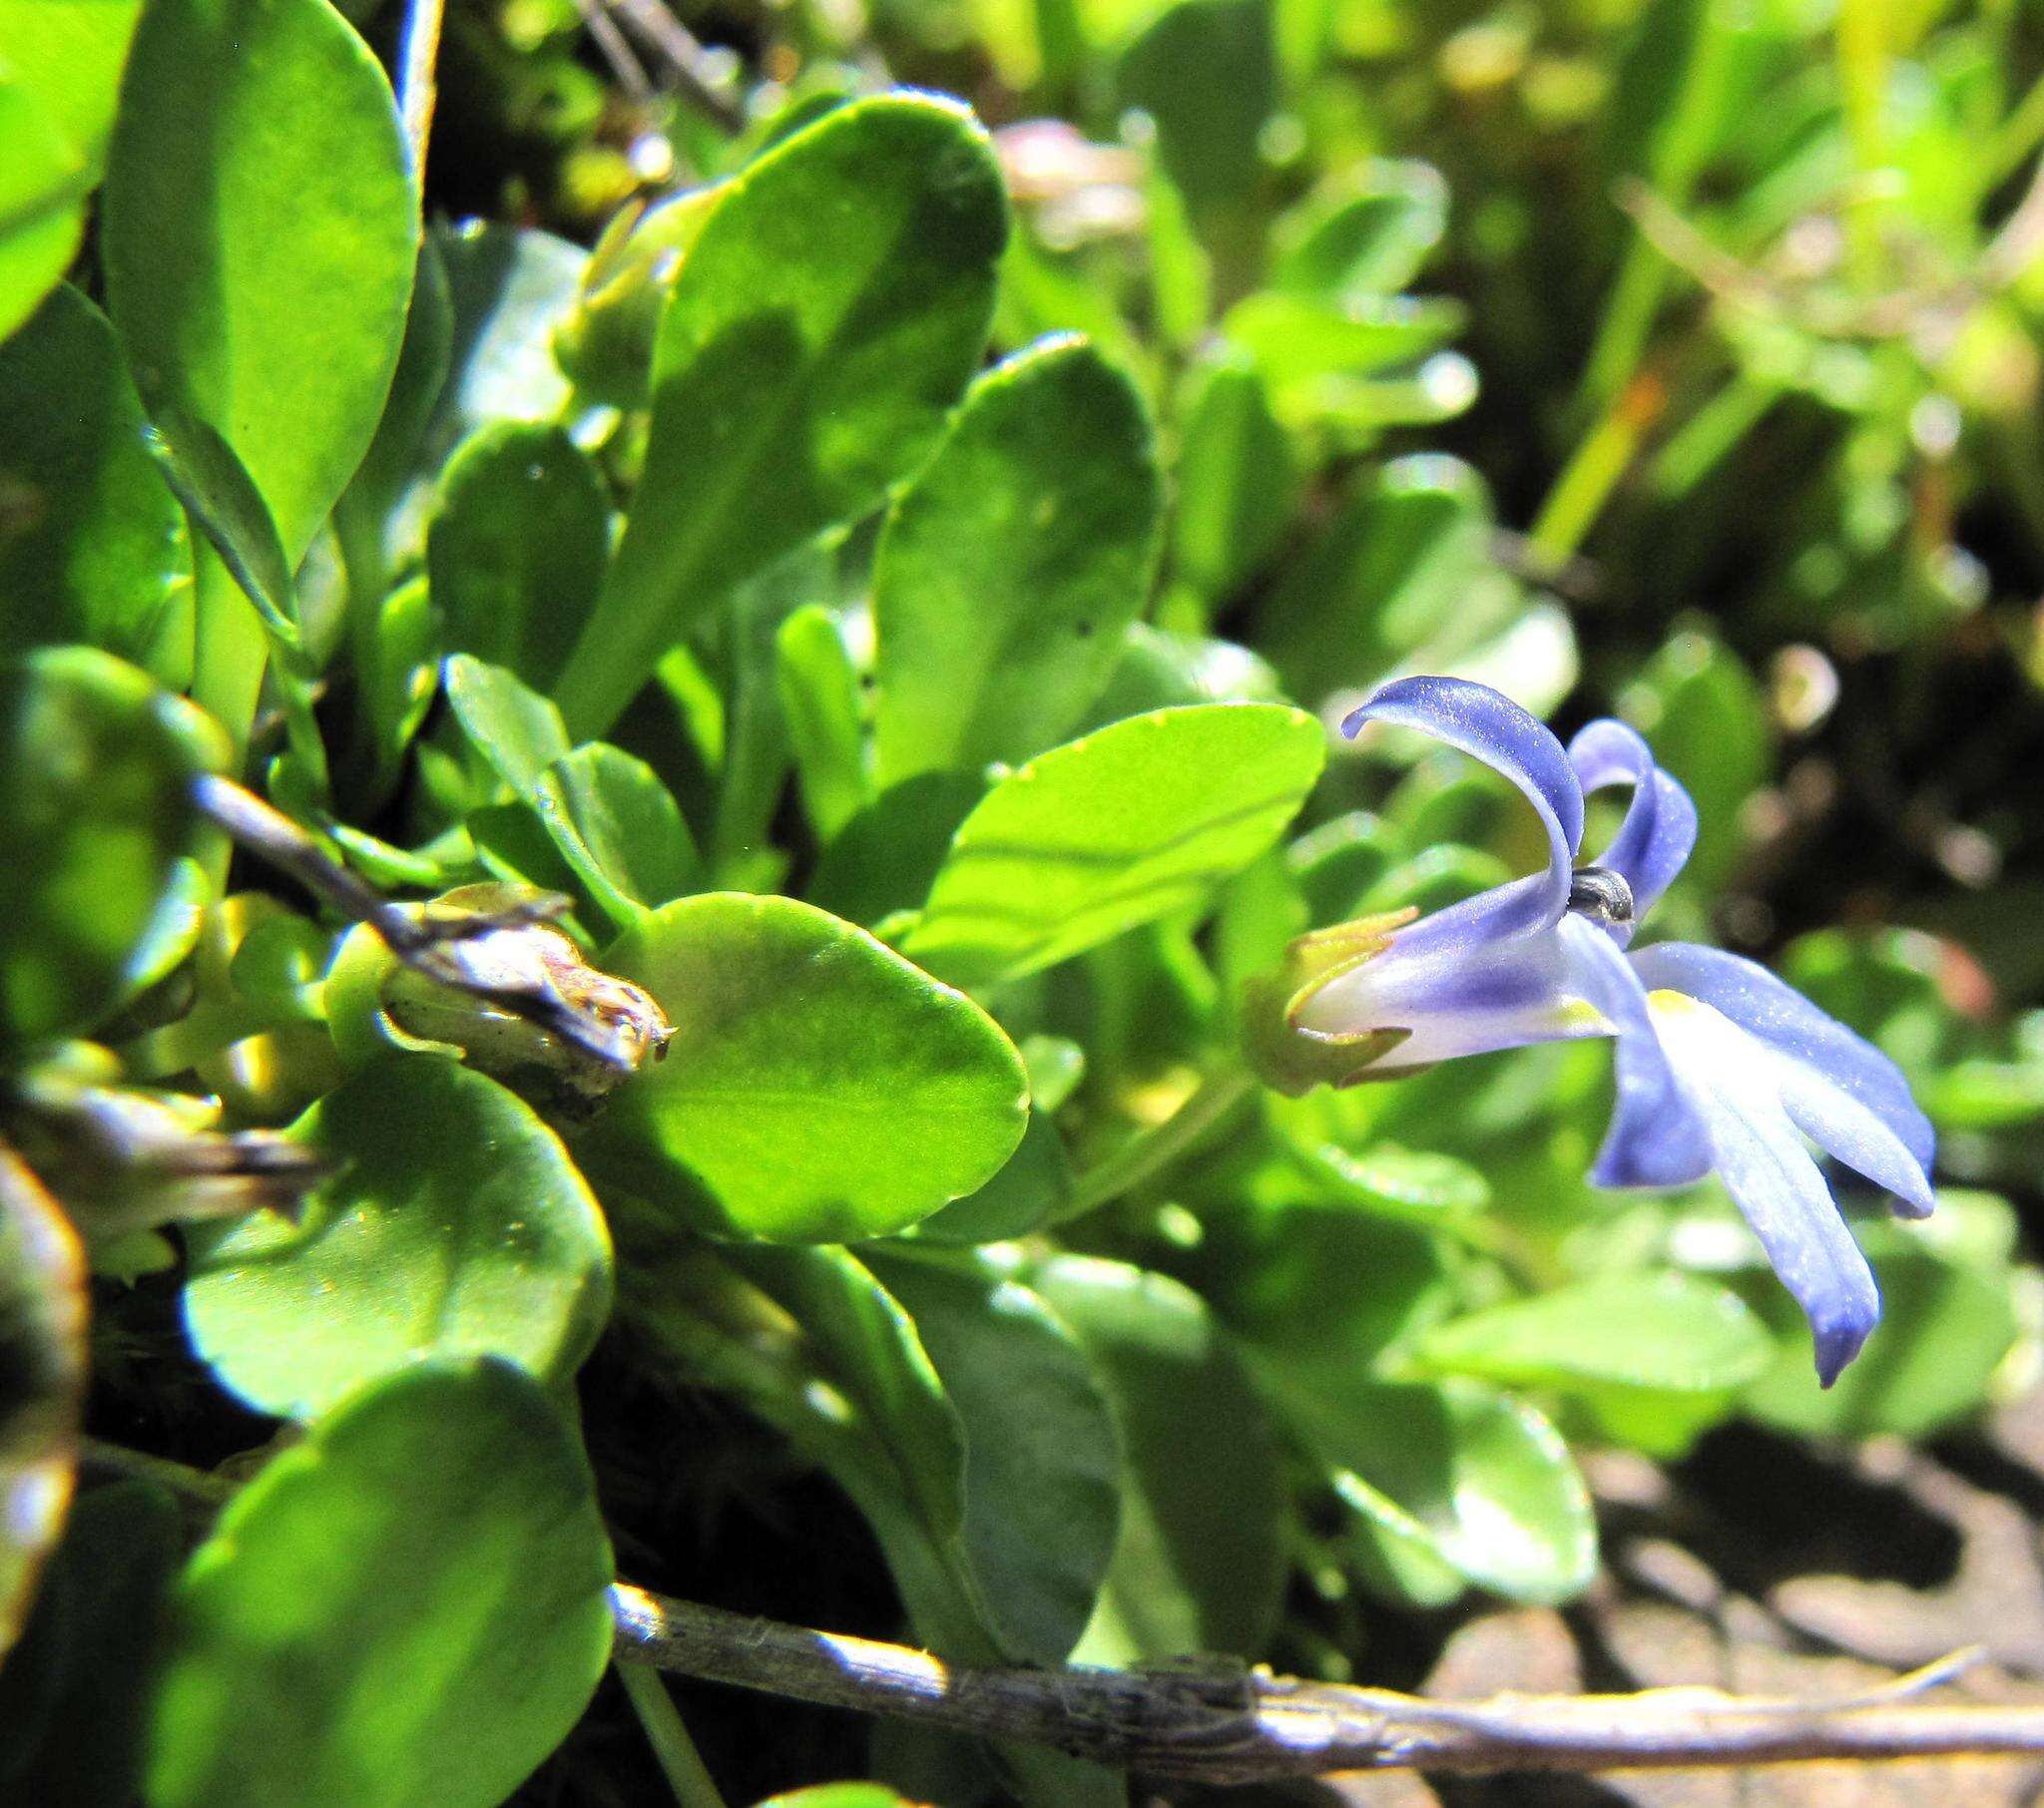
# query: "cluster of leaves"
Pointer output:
{"type": "Point", "coordinates": [879, 610]}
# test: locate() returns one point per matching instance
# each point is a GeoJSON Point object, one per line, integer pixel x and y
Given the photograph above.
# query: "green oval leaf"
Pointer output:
{"type": "Point", "coordinates": [1043, 1462]}
{"type": "Point", "coordinates": [517, 549]}
{"type": "Point", "coordinates": [1238, 480]}
{"type": "Point", "coordinates": [1364, 235]}
{"type": "Point", "coordinates": [1119, 829]}
{"type": "Point", "coordinates": [821, 326]}
{"type": "Point", "coordinates": [1199, 1564]}
{"type": "Point", "coordinates": [260, 233]}
{"type": "Point", "coordinates": [1009, 569]}
{"type": "Point", "coordinates": [406, 1611]}
{"type": "Point", "coordinates": [619, 829]}
{"type": "Point", "coordinates": [95, 764]}
{"type": "Point", "coordinates": [1456, 1473]}
{"type": "Point", "coordinates": [43, 1366]}
{"type": "Point", "coordinates": [92, 546]}
{"type": "Point", "coordinates": [818, 1088]}
{"type": "Point", "coordinates": [1660, 1331]}
{"type": "Point", "coordinates": [70, 54]}
{"type": "Point", "coordinates": [42, 210]}
{"type": "Point", "coordinates": [455, 1224]}
{"type": "Point", "coordinates": [516, 730]}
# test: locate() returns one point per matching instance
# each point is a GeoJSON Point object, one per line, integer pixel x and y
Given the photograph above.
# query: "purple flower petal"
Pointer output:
{"type": "Point", "coordinates": [1489, 726]}
{"type": "Point", "coordinates": [1781, 1018]}
{"type": "Point", "coordinates": [1653, 843]}
{"type": "Point", "coordinates": [1656, 1138]}
{"type": "Point", "coordinates": [1467, 990]}
{"type": "Point", "coordinates": [1761, 1156]}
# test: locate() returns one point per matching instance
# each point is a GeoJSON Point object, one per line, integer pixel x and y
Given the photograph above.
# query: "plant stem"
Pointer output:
{"type": "Point", "coordinates": [1151, 1152]}
{"type": "Point", "coordinates": [180, 1045]}
{"type": "Point", "coordinates": [231, 647]}
{"type": "Point", "coordinates": [1238, 1724]}
{"type": "Point", "coordinates": [680, 1762]}
{"type": "Point", "coordinates": [1242, 1726]}
{"type": "Point", "coordinates": [416, 90]}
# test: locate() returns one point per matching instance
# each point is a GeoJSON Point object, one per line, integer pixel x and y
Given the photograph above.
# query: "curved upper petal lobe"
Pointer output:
{"type": "Point", "coordinates": [1654, 842]}
{"type": "Point", "coordinates": [1489, 726]}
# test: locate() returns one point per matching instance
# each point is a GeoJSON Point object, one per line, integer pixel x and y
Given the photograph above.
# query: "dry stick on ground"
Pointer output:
{"type": "Point", "coordinates": [1246, 1725]}
{"type": "Point", "coordinates": [1234, 1724]}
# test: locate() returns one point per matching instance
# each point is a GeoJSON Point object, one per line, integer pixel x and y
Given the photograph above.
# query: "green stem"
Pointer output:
{"type": "Point", "coordinates": [1588, 479]}
{"type": "Point", "coordinates": [679, 1759]}
{"type": "Point", "coordinates": [1628, 320]}
{"type": "Point", "coordinates": [1146, 1156]}
{"type": "Point", "coordinates": [1709, 434]}
{"type": "Point", "coordinates": [179, 1046]}
{"type": "Point", "coordinates": [231, 647]}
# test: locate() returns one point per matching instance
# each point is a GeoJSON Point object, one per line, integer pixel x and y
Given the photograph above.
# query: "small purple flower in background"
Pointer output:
{"type": "Point", "coordinates": [1720, 1065]}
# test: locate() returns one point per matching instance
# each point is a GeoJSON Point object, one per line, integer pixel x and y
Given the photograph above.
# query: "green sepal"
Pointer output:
{"type": "Point", "coordinates": [1292, 1058]}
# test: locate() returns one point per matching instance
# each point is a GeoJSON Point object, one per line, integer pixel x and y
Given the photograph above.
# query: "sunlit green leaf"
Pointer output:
{"type": "Point", "coordinates": [1010, 567]}
{"type": "Point", "coordinates": [1238, 480]}
{"type": "Point", "coordinates": [410, 1604]}
{"type": "Point", "coordinates": [259, 234]}
{"type": "Point", "coordinates": [819, 1087]}
{"type": "Point", "coordinates": [43, 182]}
{"type": "Point", "coordinates": [1121, 827]}
{"type": "Point", "coordinates": [1367, 234]}
{"type": "Point", "coordinates": [825, 317]}
{"type": "Point", "coordinates": [69, 54]}
{"type": "Point", "coordinates": [1477, 1481]}
{"type": "Point", "coordinates": [1658, 1331]}
{"type": "Point", "coordinates": [516, 730]}
{"type": "Point", "coordinates": [455, 1224]}
{"type": "Point", "coordinates": [92, 546]}
{"type": "Point", "coordinates": [619, 829]}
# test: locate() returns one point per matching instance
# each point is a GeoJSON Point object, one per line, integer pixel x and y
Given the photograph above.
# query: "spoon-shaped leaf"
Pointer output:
{"type": "Point", "coordinates": [1116, 829]}
{"type": "Point", "coordinates": [817, 1087]}
{"type": "Point", "coordinates": [260, 234]}
{"type": "Point", "coordinates": [455, 1224]}
{"type": "Point", "coordinates": [821, 326]}
{"type": "Point", "coordinates": [406, 1611]}
{"type": "Point", "coordinates": [1010, 567]}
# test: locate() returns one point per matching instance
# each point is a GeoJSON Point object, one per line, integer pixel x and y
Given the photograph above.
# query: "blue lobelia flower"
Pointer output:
{"type": "Point", "coordinates": [1720, 1065]}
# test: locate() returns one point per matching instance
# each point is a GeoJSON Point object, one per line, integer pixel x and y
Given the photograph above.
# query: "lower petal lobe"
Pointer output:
{"type": "Point", "coordinates": [1761, 1156]}
{"type": "Point", "coordinates": [1778, 1017]}
{"type": "Point", "coordinates": [1656, 1138]}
